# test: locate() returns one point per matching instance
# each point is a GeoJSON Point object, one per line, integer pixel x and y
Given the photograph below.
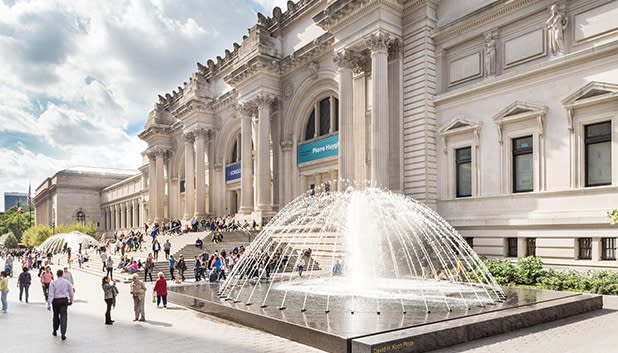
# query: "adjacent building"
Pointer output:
{"type": "Point", "coordinates": [501, 115]}
{"type": "Point", "coordinates": [74, 195]}
{"type": "Point", "coordinates": [12, 199]}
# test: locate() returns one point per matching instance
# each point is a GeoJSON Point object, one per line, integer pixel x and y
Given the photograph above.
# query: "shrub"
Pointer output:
{"type": "Point", "coordinates": [529, 269]}
{"type": "Point", "coordinates": [36, 235]}
{"type": "Point", "coordinates": [503, 271]}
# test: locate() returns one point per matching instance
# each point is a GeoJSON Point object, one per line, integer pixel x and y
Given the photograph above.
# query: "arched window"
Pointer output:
{"type": "Point", "coordinates": [235, 157]}
{"type": "Point", "coordinates": [327, 113]}
{"type": "Point", "coordinates": [80, 217]}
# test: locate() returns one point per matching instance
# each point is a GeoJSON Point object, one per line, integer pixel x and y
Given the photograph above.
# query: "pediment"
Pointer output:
{"type": "Point", "coordinates": [519, 110]}
{"type": "Point", "coordinates": [459, 124]}
{"type": "Point", "coordinates": [591, 93]}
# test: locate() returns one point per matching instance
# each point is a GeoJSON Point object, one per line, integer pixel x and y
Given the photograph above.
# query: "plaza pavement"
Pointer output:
{"type": "Point", "coordinates": [27, 328]}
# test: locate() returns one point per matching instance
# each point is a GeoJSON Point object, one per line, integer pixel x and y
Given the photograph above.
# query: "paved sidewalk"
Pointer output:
{"type": "Point", "coordinates": [591, 332]}
{"type": "Point", "coordinates": [27, 327]}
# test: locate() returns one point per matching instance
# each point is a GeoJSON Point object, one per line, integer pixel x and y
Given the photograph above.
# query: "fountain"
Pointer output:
{"type": "Point", "coordinates": [371, 251]}
{"type": "Point", "coordinates": [55, 243]}
{"type": "Point", "coordinates": [381, 272]}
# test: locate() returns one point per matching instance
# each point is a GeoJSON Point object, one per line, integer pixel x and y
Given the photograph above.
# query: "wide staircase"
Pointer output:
{"type": "Point", "coordinates": [326, 247]}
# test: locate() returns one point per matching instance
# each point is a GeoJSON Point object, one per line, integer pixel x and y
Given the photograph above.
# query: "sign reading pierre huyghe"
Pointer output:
{"type": "Point", "coordinates": [322, 148]}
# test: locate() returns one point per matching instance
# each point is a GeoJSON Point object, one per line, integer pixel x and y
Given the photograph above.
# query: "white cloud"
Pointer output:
{"type": "Point", "coordinates": [268, 5]}
{"type": "Point", "coordinates": [76, 74]}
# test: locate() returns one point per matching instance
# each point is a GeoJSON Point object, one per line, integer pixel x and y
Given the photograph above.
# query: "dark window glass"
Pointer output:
{"type": "Point", "coordinates": [235, 153]}
{"type": "Point", "coordinates": [310, 128]}
{"type": "Point", "coordinates": [324, 116]}
{"type": "Point", "coordinates": [463, 165]}
{"type": "Point", "coordinates": [598, 142]}
{"type": "Point", "coordinates": [336, 115]}
{"type": "Point", "coordinates": [531, 247]}
{"type": "Point", "coordinates": [182, 186]}
{"type": "Point", "coordinates": [608, 248]}
{"type": "Point", "coordinates": [469, 241]}
{"type": "Point", "coordinates": [522, 164]}
{"type": "Point", "coordinates": [80, 217]}
{"type": "Point", "coordinates": [312, 190]}
{"type": "Point", "coordinates": [512, 247]}
{"type": "Point", "coordinates": [585, 248]}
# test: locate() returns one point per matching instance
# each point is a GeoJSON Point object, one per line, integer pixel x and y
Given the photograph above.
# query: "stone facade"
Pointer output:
{"type": "Point", "coordinates": [388, 91]}
{"type": "Point", "coordinates": [74, 196]}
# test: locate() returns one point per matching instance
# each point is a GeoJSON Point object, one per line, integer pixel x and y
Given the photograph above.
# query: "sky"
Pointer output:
{"type": "Point", "coordinates": [79, 77]}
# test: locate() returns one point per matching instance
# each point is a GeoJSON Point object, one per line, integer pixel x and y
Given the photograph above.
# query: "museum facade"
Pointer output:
{"type": "Point", "coordinates": [501, 115]}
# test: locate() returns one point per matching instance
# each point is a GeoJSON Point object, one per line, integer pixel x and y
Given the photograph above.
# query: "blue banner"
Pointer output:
{"type": "Point", "coordinates": [323, 148]}
{"type": "Point", "coordinates": [232, 172]}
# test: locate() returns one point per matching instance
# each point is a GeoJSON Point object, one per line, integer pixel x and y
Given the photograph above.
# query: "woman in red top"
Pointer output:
{"type": "Point", "coordinates": [46, 278]}
{"type": "Point", "coordinates": [160, 289]}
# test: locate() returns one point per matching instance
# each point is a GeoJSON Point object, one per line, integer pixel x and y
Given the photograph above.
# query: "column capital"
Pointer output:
{"type": "Point", "coordinates": [264, 100]}
{"type": "Point", "coordinates": [189, 137]}
{"type": "Point", "coordinates": [345, 59]}
{"type": "Point", "coordinates": [246, 109]}
{"type": "Point", "coordinates": [379, 41]}
{"type": "Point", "coordinates": [153, 151]}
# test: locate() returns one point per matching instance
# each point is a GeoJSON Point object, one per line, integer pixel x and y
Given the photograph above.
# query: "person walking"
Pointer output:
{"type": "Point", "coordinates": [167, 247]}
{"type": "Point", "coordinates": [138, 291]}
{"type": "Point", "coordinates": [182, 267]}
{"type": "Point", "coordinates": [301, 265]}
{"type": "Point", "coordinates": [69, 277]}
{"type": "Point", "coordinates": [148, 266]}
{"type": "Point", "coordinates": [172, 261]}
{"type": "Point", "coordinates": [103, 259]}
{"type": "Point", "coordinates": [160, 289]}
{"type": "Point", "coordinates": [155, 248]}
{"type": "Point", "coordinates": [4, 289]}
{"type": "Point", "coordinates": [23, 283]}
{"type": "Point", "coordinates": [109, 294]}
{"type": "Point", "coordinates": [109, 265]}
{"type": "Point", "coordinates": [46, 278]}
{"type": "Point", "coordinates": [60, 297]}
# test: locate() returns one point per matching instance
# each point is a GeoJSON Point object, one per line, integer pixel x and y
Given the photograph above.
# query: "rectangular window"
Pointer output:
{"type": "Point", "coordinates": [531, 247]}
{"type": "Point", "coordinates": [598, 140]}
{"type": "Point", "coordinates": [608, 248]}
{"type": "Point", "coordinates": [585, 248]}
{"type": "Point", "coordinates": [182, 186]}
{"type": "Point", "coordinates": [470, 241]}
{"type": "Point", "coordinates": [463, 167]}
{"type": "Point", "coordinates": [522, 164]}
{"type": "Point", "coordinates": [512, 242]}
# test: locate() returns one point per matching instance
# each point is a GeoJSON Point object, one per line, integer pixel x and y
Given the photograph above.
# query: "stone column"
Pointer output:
{"type": "Point", "coordinates": [159, 211]}
{"type": "Point", "coordinates": [200, 173]}
{"type": "Point", "coordinates": [220, 191]}
{"type": "Point", "coordinates": [345, 61]}
{"type": "Point", "coordinates": [152, 186]}
{"type": "Point", "coordinates": [116, 217]}
{"type": "Point", "coordinates": [134, 223]}
{"type": "Point", "coordinates": [286, 182]}
{"type": "Point", "coordinates": [189, 180]}
{"type": "Point", "coordinates": [123, 215]}
{"type": "Point", "coordinates": [210, 150]}
{"type": "Point", "coordinates": [246, 174]}
{"type": "Point", "coordinates": [263, 174]}
{"type": "Point", "coordinates": [379, 43]}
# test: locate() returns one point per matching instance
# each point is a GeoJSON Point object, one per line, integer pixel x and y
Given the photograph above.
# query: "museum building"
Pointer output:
{"type": "Point", "coordinates": [501, 115]}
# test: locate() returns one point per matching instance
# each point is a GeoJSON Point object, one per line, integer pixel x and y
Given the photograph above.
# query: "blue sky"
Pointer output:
{"type": "Point", "coordinates": [78, 77]}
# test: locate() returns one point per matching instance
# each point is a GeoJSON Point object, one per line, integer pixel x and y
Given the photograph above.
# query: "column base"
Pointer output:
{"type": "Point", "coordinates": [245, 210]}
{"type": "Point", "coordinates": [200, 215]}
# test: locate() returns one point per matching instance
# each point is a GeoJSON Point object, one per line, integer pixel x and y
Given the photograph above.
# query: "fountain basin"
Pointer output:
{"type": "Point", "coordinates": [390, 331]}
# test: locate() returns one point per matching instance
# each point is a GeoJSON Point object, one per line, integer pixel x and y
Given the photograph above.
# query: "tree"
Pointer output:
{"type": "Point", "coordinates": [36, 235]}
{"type": "Point", "coordinates": [613, 215]}
{"type": "Point", "coordinates": [16, 222]}
{"type": "Point", "coordinates": [8, 240]}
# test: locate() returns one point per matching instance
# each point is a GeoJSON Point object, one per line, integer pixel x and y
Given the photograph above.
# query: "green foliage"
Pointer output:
{"type": "Point", "coordinates": [8, 240]}
{"type": "Point", "coordinates": [36, 235]}
{"type": "Point", "coordinates": [16, 223]}
{"type": "Point", "coordinates": [529, 271]}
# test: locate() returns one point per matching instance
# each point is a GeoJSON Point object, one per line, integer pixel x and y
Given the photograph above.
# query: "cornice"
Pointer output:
{"type": "Point", "coordinates": [259, 63]}
{"type": "Point", "coordinates": [154, 130]}
{"type": "Point", "coordinates": [341, 13]}
{"type": "Point", "coordinates": [478, 18]}
{"type": "Point", "coordinates": [307, 53]}
{"type": "Point", "coordinates": [225, 101]}
{"type": "Point", "coordinates": [191, 107]}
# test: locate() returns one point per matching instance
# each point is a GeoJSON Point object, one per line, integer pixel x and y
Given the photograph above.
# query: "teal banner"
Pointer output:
{"type": "Point", "coordinates": [323, 148]}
